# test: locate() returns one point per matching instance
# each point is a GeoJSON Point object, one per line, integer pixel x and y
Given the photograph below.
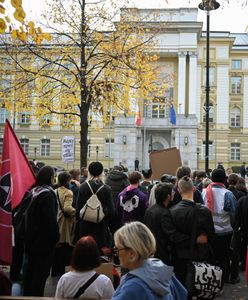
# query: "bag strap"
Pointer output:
{"type": "Point", "coordinates": [60, 205]}
{"type": "Point", "coordinates": [92, 189]}
{"type": "Point", "coordinates": [83, 288]}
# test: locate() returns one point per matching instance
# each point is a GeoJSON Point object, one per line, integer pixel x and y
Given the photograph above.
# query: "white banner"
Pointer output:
{"type": "Point", "coordinates": [68, 149]}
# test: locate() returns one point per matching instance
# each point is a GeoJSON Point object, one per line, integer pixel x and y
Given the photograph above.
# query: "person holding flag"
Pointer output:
{"type": "Point", "coordinates": [16, 177]}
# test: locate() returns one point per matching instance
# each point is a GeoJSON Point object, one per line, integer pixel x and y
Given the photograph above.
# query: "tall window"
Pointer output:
{"type": "Point", "coordinates": [45, 147]}
{"type": "Point", "coordinates": [4, 114]}
{"type": "Point", "coordinates": [236, 84]}
{"type": "Point", "coordinates": [211, 112]}
{"type": "Point", "coordinates": [235, 151]}
{"type": "Point", "coordinates": [210, 150]}
{"type": "Point", "coordinates": [1, 146]}
{"type": "Point", "coordinates": [236, 64]}
{"type": "Point", "coordinates": [109, 146]}
{"type": "Point", "coordinates": [235, 117]}
{"type": "Point", "coordinates": [211, 76]}
{"type": "Point", "coordinates": [45, 121]}
{"type": "Point", "coordinates": [25, 118]}
{"type": "Point", "coordinates": [157, 109]}
{"type": "Point", "coordinates": [25, 145]}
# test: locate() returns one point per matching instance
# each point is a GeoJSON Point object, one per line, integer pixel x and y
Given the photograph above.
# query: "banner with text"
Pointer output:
{"type": "Point", "coordinates": [68, 149]}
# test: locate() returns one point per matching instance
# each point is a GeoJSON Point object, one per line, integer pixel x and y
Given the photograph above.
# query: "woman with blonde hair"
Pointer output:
{"type": "Point", "coordinates": [148, 278]}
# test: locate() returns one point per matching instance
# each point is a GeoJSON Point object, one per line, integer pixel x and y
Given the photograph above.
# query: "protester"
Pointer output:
{"type": "Point", "coordinates": [154, 221]}
{"type": "Point", "coordinates": [189, 217]}
{"type": "Point", "coordinates": [85, 259]}
{"type": "Point", "coordinates": [74, 185]}
{"type": "Point", "coordinates": [148, 278]}
{"type": "Point", "coordinates": [118, 181]}
{"type": "Point", "coordinates": [132, 203]}
{"type": "Point", "coordinates": [241, 185]}
{"type": "Point", "coordinates": [229, 171]}
{"type": "Point", "coordinates": [243, 170]}
{"type": "Point", "coordinates": [200, 176]}
{"type": "Point", "coordinates": [84, 175]}
{"type": "Point", "coordinates": [146, 184]}
{"type": "Point", "coordinates": [205, 183]}
{"type": "Point", "coordinates": [180, 173]}
{"type": "Point", "coordinates": [66, 221]}
{"type": "Point", "coordinates": [42, 233]}
{"type": "Point", "coordinates": [222, 204]}
{"type": "Point", "coordinates": [232, 182]}
{"type": "Point", "coordinates": [99, 231]}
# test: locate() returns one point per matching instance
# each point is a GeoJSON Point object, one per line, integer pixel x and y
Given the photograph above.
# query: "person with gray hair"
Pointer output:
{"type": "Point", "coordinates": [148, 278]}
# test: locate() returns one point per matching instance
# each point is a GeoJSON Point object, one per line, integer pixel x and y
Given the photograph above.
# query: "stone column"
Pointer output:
{"type": "Point", "coordinates": [181, 81]}
{"type": "Point", "coordinates": [192, 83]}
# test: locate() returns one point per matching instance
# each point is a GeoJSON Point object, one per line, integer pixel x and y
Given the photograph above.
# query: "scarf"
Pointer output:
{"type": "Point", "coordinates": [210, 195]}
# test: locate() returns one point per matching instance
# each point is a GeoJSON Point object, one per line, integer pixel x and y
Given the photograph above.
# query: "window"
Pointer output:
{"type": "Point", "coordinates": [108, 149]}
{"type": "Point", "coordinates": [235, 151]}
{"type": "Point", "coordinates": [236, 64]}
{"type": "Point", "coordinates": [235, 117]}
{"type": "Point", "coordinates": [157, 109]}
{"type": "Point", "coordinates": [45, 147]}
{"type": "Point", "coordinates": [211, 113]}
{"type": "Point", "coordinates": [46, 120]}
{"type": "Point", "coordinates": [1, 146]}
{"type": "Point", "coordinates": [25, 145]}
{"type": "Point", "coordinates": [210, 150]}
{"type": "Point", "coordinates": [67, 121]}
{"type": "Point", "coordinates": [4, 114]}
{"type": "Point", "coordinates": [211, 76]}
{"type": "Point", "coordinates": [236, 84]}
{"type": "Point", "coordinates": [25, 118]}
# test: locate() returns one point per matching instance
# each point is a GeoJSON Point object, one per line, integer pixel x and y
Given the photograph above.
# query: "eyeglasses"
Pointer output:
{"type": "Point", "coordinates": [117, 250]}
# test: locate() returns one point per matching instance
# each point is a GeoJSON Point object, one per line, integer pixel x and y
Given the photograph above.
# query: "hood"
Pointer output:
{"type": "Point", "coordinates": [116, 175]}
{"type": "Point", "coordinates": [156, 275]}
{"type": "Point", "coordinates": [129, 193]}
{"type": "Point", "coordinates": [41, 189]}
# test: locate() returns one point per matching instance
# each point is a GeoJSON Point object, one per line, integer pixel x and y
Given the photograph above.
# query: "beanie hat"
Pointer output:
{"type": "Point", "coordinates": [218, 175]}
{"type": "Point", "coordinates": [95, 168]}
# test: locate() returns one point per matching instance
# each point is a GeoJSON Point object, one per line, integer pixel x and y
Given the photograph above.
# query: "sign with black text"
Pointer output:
{"type": "Point", "coordinates": [68, 149]}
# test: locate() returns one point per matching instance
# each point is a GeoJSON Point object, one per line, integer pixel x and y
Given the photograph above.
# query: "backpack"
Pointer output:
{"type": "Point", "coordinates": [92, 211]}
{"type": "Point", "coordinates": [19, 217]}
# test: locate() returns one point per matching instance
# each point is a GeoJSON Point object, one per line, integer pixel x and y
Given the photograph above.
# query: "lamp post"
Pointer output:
{"type": "Point", "coordinates": [207, 5]}
{"type": "Point", "coordinates": [97, 151]}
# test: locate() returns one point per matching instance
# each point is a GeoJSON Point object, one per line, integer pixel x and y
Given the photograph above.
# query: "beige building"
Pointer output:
{"type": "Point", "coordinates": [182, 50]}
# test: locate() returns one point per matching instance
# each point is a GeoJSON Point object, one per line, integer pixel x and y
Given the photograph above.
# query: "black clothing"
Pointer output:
{"type": "Point", "coordinates": [183, 217]}
{"type": "Point", "coordinates": [153, 220]}
{"type": "Point", "coordinates": [243, 171]}
{"type": "Point", "coordinates": [117, 180]}
{"type": "Point", "coordinates": [136, 165]}
{"type": "Point", "coordinates": [42, 234]}
{"type": "Point", "coordinates": [238, 194]}
{"type": "Point", "coordinates": [100, 231]}
{"type": "Point", "coordinates": [177, 198]}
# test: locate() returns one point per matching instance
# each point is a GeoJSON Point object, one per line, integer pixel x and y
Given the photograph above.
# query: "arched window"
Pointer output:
{"type": "Point", "coordinates": [211, 112]}
{"type": "Point", "coordinates": [235, 117]}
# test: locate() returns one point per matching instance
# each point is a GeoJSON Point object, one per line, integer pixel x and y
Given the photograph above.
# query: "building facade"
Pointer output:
{"type": "Point", "coordinates": [181, 47]}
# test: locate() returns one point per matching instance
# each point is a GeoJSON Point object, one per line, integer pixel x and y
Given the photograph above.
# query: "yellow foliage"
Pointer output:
{"type": "Point", "coordinates": [2, 9]}
{"type": "Point", "coordinates": [20, 14]}
{"type": "Point", "coordinates": [16, 3]}
{"type": "Point", "coordinates": [3, 26]}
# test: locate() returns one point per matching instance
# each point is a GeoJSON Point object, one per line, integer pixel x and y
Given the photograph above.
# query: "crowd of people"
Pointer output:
{"type": "Point", "coordinates": [153, 230]}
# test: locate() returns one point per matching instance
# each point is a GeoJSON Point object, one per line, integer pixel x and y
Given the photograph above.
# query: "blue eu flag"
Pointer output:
{"type": "Point", "coordinates": [173, 118]}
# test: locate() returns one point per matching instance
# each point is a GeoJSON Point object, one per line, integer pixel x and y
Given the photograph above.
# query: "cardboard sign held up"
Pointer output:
{"type": "Point", "coordinates": [165, 161]}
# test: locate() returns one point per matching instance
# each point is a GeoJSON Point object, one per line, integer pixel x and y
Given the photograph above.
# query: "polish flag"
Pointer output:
{"type": "Point", "coordinates": [16, 177]}
{"type": "Point", "coordinates": [137, 115]}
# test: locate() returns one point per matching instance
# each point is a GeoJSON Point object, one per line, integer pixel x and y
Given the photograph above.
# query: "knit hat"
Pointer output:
{"type": "Point", "coordinates": [95, 168]}
{"type": "Point", "coordinates": [218, 175]}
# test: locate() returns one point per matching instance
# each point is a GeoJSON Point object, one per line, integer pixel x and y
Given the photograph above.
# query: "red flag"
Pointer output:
{"type": "Point", "coordinates": [16, 177]}
{"type": "Point", "coordinates": [137, 116]}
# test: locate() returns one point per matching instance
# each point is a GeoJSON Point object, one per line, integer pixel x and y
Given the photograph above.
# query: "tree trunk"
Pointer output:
{"type": "Point", "coordinates": [84, 134]}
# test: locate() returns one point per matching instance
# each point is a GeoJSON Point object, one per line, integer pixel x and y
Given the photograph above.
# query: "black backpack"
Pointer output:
{"type": "Point", "coordinates": [19, 216]}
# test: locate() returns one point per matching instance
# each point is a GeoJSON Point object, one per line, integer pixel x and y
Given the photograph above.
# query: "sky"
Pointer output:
{"type": "Point", "coordinates": [229, 17]}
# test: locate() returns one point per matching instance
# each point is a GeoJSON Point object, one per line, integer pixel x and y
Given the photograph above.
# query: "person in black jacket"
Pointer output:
{"type": "Point", "coordinates": [99, 231]}
{"type": "Point", "coordinates": [183, 215]}
{"type": "Point", "coordinates": [184, 171]}
{"type": "Point", "coordinates": [153, 220]}
{"type": "Point", "coordinates": [42, 233]}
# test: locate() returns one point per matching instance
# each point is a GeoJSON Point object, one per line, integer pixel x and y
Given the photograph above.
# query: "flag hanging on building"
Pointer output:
{"type": "Point", "coordinates": [137, 115]}
{"type": "Point", "coordinates": [16, 177]}
{"type": "Point", "coordinates": [173, 118]}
